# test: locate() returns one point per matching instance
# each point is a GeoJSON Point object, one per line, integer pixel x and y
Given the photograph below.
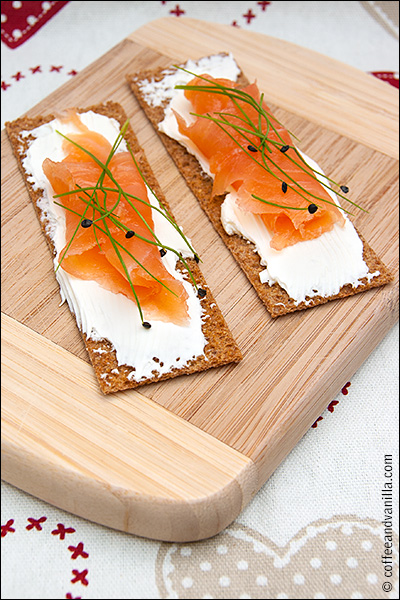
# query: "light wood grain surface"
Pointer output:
{"type": "Point", "coordinates": [295, 78]}
{"type": "Point", "coordinates": [251, 414]}
{"type": "Point", "coordinates": [123, 461]}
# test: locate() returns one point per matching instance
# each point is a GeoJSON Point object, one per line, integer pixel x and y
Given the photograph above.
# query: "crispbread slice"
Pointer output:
{"type": "Point", "coordinates": [275, 298]}
{"type": "Point", "coordinates": [221, 347]}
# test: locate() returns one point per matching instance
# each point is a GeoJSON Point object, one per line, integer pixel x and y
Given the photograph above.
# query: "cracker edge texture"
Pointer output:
{"type": "Point", "coordinates": [221, 348]}
{"type": "Point", "coordinates": [275, 298]}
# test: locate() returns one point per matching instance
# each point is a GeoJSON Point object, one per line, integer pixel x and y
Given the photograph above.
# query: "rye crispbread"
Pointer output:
{"type": "Point", "coordinates": [221, 347]}
{"type": "Point", "coordinates": [275, 298]}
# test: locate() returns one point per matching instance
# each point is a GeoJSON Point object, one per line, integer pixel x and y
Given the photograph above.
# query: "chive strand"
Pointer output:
{"type": "Point", "coordinates": [121, 246]}
{"type": "Point", "coordinates": [235, 94]}
{"type": "Point", "coordinates": [123, 227]}
{"type": "Point", "coordinates": [105, 212]}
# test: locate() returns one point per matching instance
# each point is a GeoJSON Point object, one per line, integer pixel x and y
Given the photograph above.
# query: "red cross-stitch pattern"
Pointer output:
{"type": "Point", "coordinates": [7, 528]}
{"type": "Point", "coordinates": [80, 576]}
{"type": "Point", "coordinates": [35, 523]}
{"type": "Point", "coordinates": [18, 76]}
{"type": "Point", "coordinates": [263, 5]}
{"type": "Point", "coordinates": [345, 391]}
{"type": "Point", "coordinates": [332, 405]}
{"type": "Point", "coordinates": [78, 551]}
{"type": "Point", "coordinates": [177, 11]}
{"type": "Point", "coordinates": [314, 425]}
{"type": "Point", "coordinates": [249, 16]}
{"type": "Point", "coordinates": [61, 530]}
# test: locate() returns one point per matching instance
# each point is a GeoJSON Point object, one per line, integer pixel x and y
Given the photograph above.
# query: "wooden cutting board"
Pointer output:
{"type": "Point", "coordinates": [178, 460]}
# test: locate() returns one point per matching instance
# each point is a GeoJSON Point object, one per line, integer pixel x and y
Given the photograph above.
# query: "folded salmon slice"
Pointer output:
{"type": "Point", "coordinates": [242, 165]}
{"type": "Point", "coordinates": [94, 253]}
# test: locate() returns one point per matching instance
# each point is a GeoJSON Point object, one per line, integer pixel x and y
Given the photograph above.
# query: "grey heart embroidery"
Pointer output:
{"type": "Point", "coordinates": [338, 558]}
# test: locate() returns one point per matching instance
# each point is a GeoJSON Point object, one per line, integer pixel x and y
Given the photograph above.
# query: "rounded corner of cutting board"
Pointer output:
{"type": "Point", "coordinates": [162, 516]}
{"type": "Point", "coordinates": [126, 462]}
{"type": "Point", "coordinates": [166, 448]}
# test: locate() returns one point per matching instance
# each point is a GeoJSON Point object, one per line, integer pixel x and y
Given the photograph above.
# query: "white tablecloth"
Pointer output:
{"type": "Point", "coordinates": [316, 528]}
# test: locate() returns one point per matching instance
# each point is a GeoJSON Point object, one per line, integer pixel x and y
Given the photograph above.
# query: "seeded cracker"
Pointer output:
{"type": "Point", "coordinates": [220, 349]}
{"type": "Point", "coordinates": [276, 299]}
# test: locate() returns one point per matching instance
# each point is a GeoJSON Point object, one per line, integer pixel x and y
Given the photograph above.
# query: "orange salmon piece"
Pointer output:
{"type": "Point", "coordinates": [240, 165]}
{"type": "Point", "coordinates": [92, 254]}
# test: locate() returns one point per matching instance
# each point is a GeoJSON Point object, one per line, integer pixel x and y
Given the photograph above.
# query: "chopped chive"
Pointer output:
{"type": "Point", "coordinates": [236, 95]}
{"type": "Point", "coordinates": [93, 202]}
{"type": "Point", "coordinates": [278, 205]}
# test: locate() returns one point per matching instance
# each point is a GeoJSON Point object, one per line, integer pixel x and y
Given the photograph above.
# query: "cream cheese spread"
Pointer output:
{"type": "Point", "coordinates": [157, 93]}
{"type": "Point", "coordinates": [100, 313]}
{"type": "Point", "coordinates": [318, 267]}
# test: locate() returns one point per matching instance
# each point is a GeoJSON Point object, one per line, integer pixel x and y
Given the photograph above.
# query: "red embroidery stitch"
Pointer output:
{"type": "Point", "coordinates": [61, 531]}
{"type": "Point", "coordinates": [332, 405]}
{"type": "Point", "coordinates": [5, 85]}
{"type": "Point", "coordinates": [78, 551]}
{"type": "Point", "coordinates": [53, 68]}
{"type": "Point", "coordinates": [235, 24]}
{"type": "Point", "coordinates": [80, 576]}
{"type": "Point", "coordinates": [316, 422]}
{"type": "Point", "coordinates": [37, 69]}
{"type": "Point", "coordinates": [345, 391]}
{"type": "Point", "coordinates": [249, 15]}
{"type": "Point", "coordinates": [18, 76]}
{"type": "Point", "coordinates": [263, 5]}
{"type": "Point", "coordinates": [178, 12]}
{"type": "Point", "coordinates": [73, 72]}
{"type": "Point", "coordinates": [35, 523]}
{"type": "Point", "coordinates": [7, 528]}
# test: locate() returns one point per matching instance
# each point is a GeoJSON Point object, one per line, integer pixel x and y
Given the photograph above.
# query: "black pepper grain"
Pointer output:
{"type": "Point", "coordinates": [86, 223]}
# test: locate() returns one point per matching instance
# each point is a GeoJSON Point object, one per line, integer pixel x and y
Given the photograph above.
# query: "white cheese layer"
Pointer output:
{"type": "Point", "coordinates": [319, 267]}
{"type": "Point", "coordinates": [100, 313]}
{"type": "Point", "coordinates": [157, 93]}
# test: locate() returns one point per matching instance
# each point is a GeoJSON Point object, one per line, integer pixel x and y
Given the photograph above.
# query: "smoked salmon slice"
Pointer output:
{"type": "Point", "coordinates": [110, 237]}
{"type": "Point", "coordinates": [267, 174]}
